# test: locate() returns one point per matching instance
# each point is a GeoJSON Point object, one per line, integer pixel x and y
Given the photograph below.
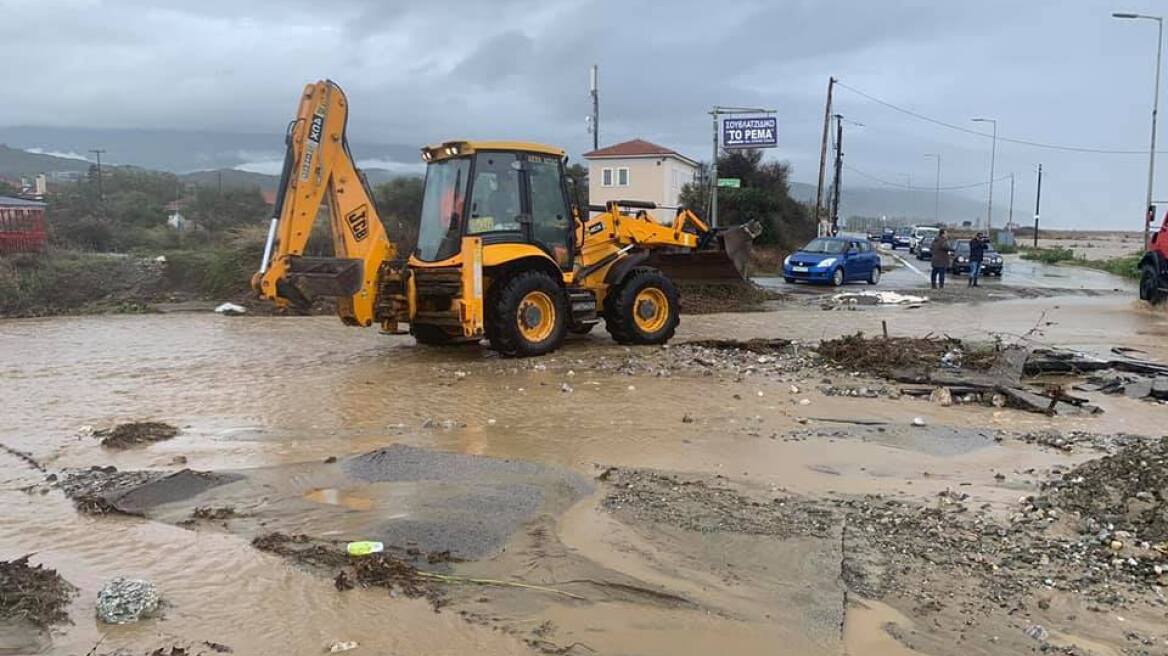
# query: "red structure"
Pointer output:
{"type": "Point", "coordinates": [22, 226]}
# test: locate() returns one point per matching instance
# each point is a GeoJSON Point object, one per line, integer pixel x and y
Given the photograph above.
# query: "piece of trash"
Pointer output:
{"type": "Point", "coordinates": [161, 259]}
{"type": "Point", "coordinates": [342, 645]}
{"type": "Point", "coordinates": [230, 309]}
{"type": "Point", "coordinates": [632, 388]}
{"type": "Point", "coordinates": [364, 548]}
{"type": "Point", "coordinates": [941, 395]}
{"type": "Point", "coordinates": [492, 422]}
{"type": "Point", "coordinates": [918, 421]}
{"type": "Point", "coordinates": [877, 298]}
{"type": "Point", "coordinates": [804, 401]}
{"type": "Point", "coordinates": [124, 601]}
{"type": "Point", "coordinates": [566, 388]}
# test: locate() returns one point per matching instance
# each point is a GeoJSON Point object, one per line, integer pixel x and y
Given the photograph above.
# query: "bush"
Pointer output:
{"type": "Point", "coordinates": [1049, 255]}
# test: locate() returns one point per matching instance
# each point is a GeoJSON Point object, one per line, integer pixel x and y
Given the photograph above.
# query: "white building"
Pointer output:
{"type": "Point", "coordinates": [639, 170]}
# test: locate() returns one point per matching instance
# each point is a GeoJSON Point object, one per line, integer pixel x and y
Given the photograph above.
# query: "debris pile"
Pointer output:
{"type": "Point", "coordinates": [773, 358]}
{"type": "Point", "coordinates": [375, 570]}
{"type": "Point", "coordinates": [104, 490]}
{"type": "Point", "coordinates": [1123, 492]}
{"type": "Point", "coordinates": [888, 356]}
{"type": "Point", "coordinates": [709, 298]}
{"type": "Point", "coordinates": [125, 601]}
{"type": "Point", "coordinates": [34, 594]}
{"type": "Point", "coordinates": [137, 433]}
{"type": "Point", "coordinates": [707, 506]}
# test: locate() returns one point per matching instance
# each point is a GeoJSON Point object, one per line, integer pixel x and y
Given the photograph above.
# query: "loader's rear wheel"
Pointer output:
{"type": "Point", "coordinates": [643, 309]}
{"type": "Point", "coordinates": [1150, 284]}
{"type": "Point", "coordinates": [527, 315]}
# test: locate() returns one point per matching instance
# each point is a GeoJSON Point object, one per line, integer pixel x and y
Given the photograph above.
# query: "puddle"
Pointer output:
{"type": "Point", "coordinates": [866, 631]}
{"type": "Point", "coordinates": [333, 497]}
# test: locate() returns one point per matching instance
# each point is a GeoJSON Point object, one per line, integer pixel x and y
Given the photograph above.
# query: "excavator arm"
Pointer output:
{"type": "Point", "coordinates": [318, 168]}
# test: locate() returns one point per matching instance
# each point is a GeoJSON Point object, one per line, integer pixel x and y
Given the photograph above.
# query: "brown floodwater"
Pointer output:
{"type": "Point", "coordinates": [261, 391]}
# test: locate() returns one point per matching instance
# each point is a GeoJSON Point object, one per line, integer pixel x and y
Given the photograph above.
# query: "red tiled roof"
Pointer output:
{"type": "Point", "coordinates": [634, 148]}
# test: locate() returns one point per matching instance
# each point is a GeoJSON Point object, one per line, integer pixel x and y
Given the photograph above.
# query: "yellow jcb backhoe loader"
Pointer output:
{"type": "Point", "coordinates": [502, 251]}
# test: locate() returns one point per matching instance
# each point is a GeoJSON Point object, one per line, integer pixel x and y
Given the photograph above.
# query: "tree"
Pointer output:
{"type": "Point", "coordinates": [8, 189]}
{"type": "Point", "coordinates": [764, 196]}
{"type": "Point", "coordinates": [578, 185]}
{"type": "Point", "coordinates": [216, 211]}
{"type": "Point", "coordinates": [399, 202]}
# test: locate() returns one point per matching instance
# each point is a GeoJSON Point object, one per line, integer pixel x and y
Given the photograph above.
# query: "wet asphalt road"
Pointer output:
{"type": "Point", "coordinates": [904, 272]}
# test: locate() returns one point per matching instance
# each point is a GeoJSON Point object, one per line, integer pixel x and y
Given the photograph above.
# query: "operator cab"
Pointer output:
{"type": "Point", "coordinates": [504, 192]}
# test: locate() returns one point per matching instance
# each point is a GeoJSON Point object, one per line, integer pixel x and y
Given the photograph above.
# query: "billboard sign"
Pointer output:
{"type": "Point", "coordinates": [760, 132]}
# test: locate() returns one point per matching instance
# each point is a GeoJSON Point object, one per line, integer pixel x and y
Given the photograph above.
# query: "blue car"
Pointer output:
{"type": "Point", "coordinates": [834, 261]}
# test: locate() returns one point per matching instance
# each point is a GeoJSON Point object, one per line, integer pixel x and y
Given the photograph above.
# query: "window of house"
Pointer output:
{"type": "Point", "coordinates": [622, 177]}
{"type": "Point", "coordinates": [606, 178]}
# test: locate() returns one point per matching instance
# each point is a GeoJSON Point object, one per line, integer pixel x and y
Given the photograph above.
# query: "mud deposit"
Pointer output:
{"type": "Point", "coordinates": [759, 497]}
{"type": "Point", "coordinates": [33, 593]}
{"type": "Point", "coordinates": [133, 434]}
{"type": "Point", "coordinates": [710, 298]}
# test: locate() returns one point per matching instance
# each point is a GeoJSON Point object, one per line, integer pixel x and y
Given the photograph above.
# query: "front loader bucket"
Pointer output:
{"type": "Point", "coordinates": [725, 259]}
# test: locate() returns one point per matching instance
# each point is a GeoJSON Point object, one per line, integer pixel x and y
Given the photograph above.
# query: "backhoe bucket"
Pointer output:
{"type": "Point", "coordinates": [725, 259]}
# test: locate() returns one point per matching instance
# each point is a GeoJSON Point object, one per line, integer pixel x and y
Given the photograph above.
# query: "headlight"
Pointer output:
{"type": "Point", "coordinates": [826, 263]}
{"type": "Point", "coordinates": [961, 259]}
{"type": "Point", "coordinates": [786, 260]}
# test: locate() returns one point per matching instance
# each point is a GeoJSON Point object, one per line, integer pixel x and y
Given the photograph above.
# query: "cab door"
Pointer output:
{"type": "Point", "coordinates": [550, 215]}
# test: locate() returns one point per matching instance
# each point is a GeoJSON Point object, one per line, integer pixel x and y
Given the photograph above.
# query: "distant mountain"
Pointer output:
{"type": "Point", "coordinates": [15, 163]}
{"type": "Point", "coordinates": [182, 151]}
{"type": "Point", "coordinates": [232, 178]}
{"type": "Point", "coordinates": [898, 203]}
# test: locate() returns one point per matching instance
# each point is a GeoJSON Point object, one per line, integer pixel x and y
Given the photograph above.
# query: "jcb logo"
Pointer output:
{"type": "Point", "coordinates": [358, 221]}
{"type": "Point", "coordinates": [316, 128]}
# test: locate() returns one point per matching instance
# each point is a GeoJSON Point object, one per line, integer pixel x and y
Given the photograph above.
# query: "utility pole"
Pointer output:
{"type": "Point", "coordinates": [595, 90]}
{"type": "Point", "coordinates": [716, 112]}
{"type": "Point", "coordinates": [1011, 222]}
{"type": "Point", "coordinates": [839, 165]}
{"type": "Point", "coordinates": [823, 158]}
{"type": "Point", "coordinates": [993, 158]}
{"type": "Point", "coordinates": [1037, 204]}
{"type": "Point", "coordinates": [936, 189]}
{"type": "Point", "coordinates": [100, 193]}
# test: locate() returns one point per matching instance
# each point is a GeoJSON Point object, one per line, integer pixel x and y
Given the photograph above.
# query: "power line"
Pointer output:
{"type": "Point", "coordinates": [912, 188]}
{"type": "Point", "coordinates": [959, 128]}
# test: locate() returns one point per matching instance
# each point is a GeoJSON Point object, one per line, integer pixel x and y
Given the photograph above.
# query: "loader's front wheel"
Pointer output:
{"type": "Point", "coordinates": [643, 309]}
{"type": "Point", "coordinates": [527, 315]}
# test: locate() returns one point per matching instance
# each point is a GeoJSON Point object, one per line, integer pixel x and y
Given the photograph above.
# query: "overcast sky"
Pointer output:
{"type": "Point", "coordinates": [1054, 71]}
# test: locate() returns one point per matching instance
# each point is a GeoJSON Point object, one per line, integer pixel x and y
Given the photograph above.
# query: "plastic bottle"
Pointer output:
{"type": "Point", "coordinates": [364, 548]}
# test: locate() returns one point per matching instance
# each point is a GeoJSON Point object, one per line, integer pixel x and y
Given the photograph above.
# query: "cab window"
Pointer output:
{"type": "Point", "coordinates": [494, 200]}
{"type": "Point", "coordinates": [550, 217]}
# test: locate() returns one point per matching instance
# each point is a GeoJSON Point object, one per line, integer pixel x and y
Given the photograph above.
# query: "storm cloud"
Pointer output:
{"type": "Point", "coordinates": [1062, 73]}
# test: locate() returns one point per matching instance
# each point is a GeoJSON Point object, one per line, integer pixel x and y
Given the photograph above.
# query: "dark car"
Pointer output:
{"type": "Point", "coordinates": [991, 260]}
{"type": "Point", "coordinates": [834, 261]}
{"type": "Point", "coordinates": [887, 236]}
{"type": "Point", "coordinates": [902, 238]}
{"type": "Point", "coordinates": [925, 248]}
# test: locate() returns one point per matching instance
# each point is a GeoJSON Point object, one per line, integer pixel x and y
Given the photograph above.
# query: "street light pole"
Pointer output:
{"type": "Point", "coordinates": [1148, 216]}
{"type": "Point", "coordinates": [937, 190]}
{"type": "Point", "coordinates": [993, 159]}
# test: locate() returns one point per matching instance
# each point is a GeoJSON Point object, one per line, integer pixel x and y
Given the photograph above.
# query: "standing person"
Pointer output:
{"type": "Point", "coordinates": [977, 247]}
{"type": "Point", "coordinates": [940, 260]}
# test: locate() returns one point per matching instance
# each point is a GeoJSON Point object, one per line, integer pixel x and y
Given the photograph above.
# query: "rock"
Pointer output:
{"type": "Point", "coordinates": [918, 421]}
{"type": "Point", "coordinates": [124, 601]}
{"type": "Point", "coordinates": [804, 401]}
{"type": "Point", "coordinates": [230, 309]}
{"type": "Point", "coordinates": [1038, 632]}
{"type": "Point", "coordinates": [565, 388]}
{"type": "Point", "coordinates": [942, 395]}
{"type": "Point", "coordinates": [342, 645]}
{"type": "Point", "coordinates": [998, 400]}
{"type": "Point", "coordinates": [794, 389]}
{"type": "Point", "coordinates": [686, 419]}
{"type": "Point", "coordinates": [1116, 545]}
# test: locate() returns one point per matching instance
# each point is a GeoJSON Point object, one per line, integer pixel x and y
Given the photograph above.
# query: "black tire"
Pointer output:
{"type": "Point", "coordinates": [837, 277]}
{"type": "Point", "coordinates": [874, 277]}
{"type": "Point", "coordinates": [789, 281]}
{"type": "Point", "coordinates": [621, 308]}
{"type": "Point", "coordinates": [504, 325]}
{"type": "Point", "coordinates": [431, 335]}
{"type": "Point", "coordinates": [1150, 284]}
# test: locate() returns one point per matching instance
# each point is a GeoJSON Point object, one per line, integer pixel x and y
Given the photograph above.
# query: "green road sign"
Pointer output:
{"type": "Point", "coordinates": [730, 182]}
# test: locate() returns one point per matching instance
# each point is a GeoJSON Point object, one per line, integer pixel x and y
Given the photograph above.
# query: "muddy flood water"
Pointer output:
{"type": "Point", "coordinates": [645, 508]}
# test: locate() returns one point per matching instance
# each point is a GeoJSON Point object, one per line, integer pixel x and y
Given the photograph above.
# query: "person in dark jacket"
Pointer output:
{"type": "Point", "coordinates": [977, 247]}
{"type": "Point", "coordinates": [940, 260]}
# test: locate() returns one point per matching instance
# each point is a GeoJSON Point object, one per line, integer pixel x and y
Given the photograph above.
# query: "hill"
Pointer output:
{"type": "Point", "coordinates": [15, 163]}
{"type": "Point", "coordinates": [234, 178]}
{"type": "Point", "coordinates": [182, 151]}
